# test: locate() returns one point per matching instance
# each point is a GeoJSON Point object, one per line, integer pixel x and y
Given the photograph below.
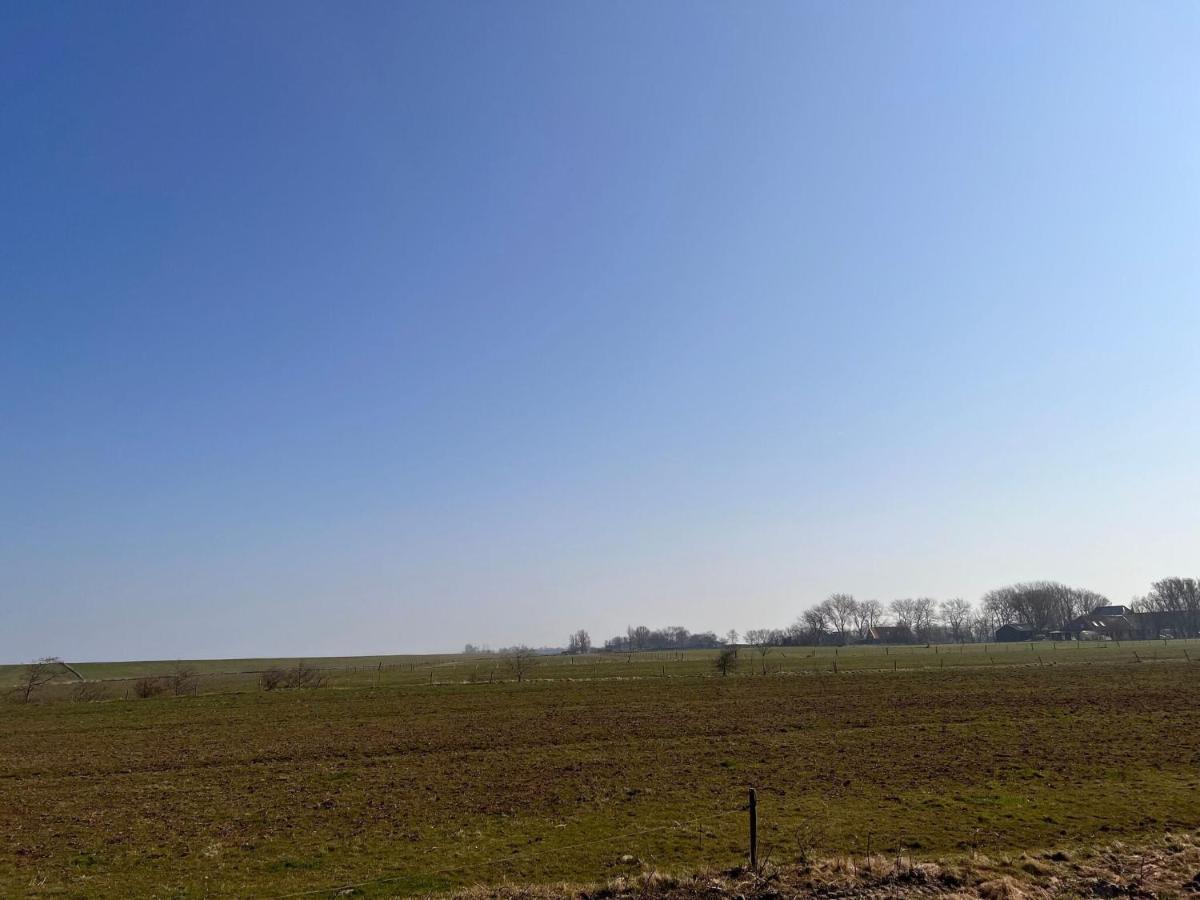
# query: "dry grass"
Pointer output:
{"type": "Point", "coordinates": [1167, 866]}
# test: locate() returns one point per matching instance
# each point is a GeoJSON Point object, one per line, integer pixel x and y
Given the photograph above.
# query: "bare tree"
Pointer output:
{"type": "Point", "coordinates": [867, 616]}
{"type": "Point", "coordinates": [904, 612]}
{"type": "Point", "coordinates": [816, 622]}
{"type": "Point", "coordinates": [182, 680]}
{"type": "Point", "coordinates": [148, 686]}
{"type": "Point", "coordinates": [841, 610]}
{"type": "Point", "coordinates": [305, 676]}
{"type": "Point", "coordinates": [272, 679]}
{"type": "Point", "coordinates": [519, 660]}
{"type": "Point", "coordinates": [1045, 605]}
{"type": "Point", "coordinates": [726, 661]}
{"type": "Point", "coordinates": [731, 636]}
{"type": "Point", "coordinates": [796, 633]}
{"type": "Point", "coordinates": [924, 611]}
{"type": "Point", "coordinates": [88, 691]}
{"type": "Point", "coordinates": [762, 640]}
{"type": "Point", "coordinates": [639, 637]}
{"type": "Point", "coordinates": [954, 614]}
{"type": "Point", "coordinates": [36, 674]}
{"type": "Point", "coordinates": [579, 642]}
{"type": "Point", "coordinates": [1180, 596]}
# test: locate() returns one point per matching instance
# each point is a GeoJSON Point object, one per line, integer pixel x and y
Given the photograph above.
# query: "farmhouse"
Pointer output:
{"type": "Point", "coordinates": [1016, 631]}
{"type": "Point", "coordinates": [889, 634]}
{"type": "Point", "coordinates": [1113, 627]}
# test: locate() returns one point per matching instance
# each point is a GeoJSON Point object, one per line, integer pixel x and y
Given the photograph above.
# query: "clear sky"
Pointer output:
{"type": "Point", "coordinates": [378, 327]}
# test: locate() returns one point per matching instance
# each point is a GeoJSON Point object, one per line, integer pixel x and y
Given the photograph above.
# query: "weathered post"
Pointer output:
{"type": "Point", "coordinates": [753, 829]}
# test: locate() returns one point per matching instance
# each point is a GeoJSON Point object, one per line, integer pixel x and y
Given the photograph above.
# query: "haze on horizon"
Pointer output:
{"type": "Point", "coordinates": [388, 327]}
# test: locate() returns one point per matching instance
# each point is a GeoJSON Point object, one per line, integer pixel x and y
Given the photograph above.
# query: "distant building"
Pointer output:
{"type": "Point", "coordinates": [836, 638]}
{"type": "Point", "coordinates": [1150, 626]}
{"type": "Point", "coordinates": [1115, 627]}
{"type": "Point", "coordinates": [889, 634]}
{"type": "Point", "coordinates": [1016, 631]}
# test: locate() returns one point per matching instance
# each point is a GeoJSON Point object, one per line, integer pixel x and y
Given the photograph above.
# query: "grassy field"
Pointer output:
{"type": "Point", "coordinates": [365, 671]}
{"type": "Point", "coordinates": [432, 773]}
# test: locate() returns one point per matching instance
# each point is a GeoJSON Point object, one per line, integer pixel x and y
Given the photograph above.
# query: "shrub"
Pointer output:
{"type": "Point", "coordinates": [726, 661]}
{"type": "Point", "coordinates": [148, 686]}
{"type": "Point", "coordinates": [305, 676]}
{"type": "Point", "coordinates": [182, 680]}
{"type": "Point", "coordinates": [88, 692]}
{"type": "Point", "coordinates": [272, 679]}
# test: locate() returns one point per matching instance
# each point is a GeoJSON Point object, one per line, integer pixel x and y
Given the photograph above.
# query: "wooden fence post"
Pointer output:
{"type": "Point", "coordinates": [753, 829]}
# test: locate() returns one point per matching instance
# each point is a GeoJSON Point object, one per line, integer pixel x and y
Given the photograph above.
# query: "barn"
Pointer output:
{"type": "Point", "coordinates": [1016, 631]}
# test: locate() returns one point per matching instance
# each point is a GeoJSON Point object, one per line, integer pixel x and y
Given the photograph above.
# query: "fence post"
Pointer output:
{"type": "Point", "coordinates": [753, 829]}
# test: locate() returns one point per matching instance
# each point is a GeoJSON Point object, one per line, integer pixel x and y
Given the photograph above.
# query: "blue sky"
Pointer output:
{"type": "Point", "coordinates": [376, 327]}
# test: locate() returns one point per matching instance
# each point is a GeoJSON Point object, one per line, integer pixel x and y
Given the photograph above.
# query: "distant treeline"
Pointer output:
{"type": "Point", "coordinates": [673, 637]}
{"type": "Point", "coordinates": [1044, 606]}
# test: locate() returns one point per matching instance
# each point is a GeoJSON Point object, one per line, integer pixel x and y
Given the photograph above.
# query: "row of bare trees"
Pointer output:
{"type": "Point", "coordinates": [843, 619]}
{"type": "Point", "coordinates": [673, 637]}
{"type": "Point", "coordinates": [1044, 605]}
{"type": "Point", "coordinates": [41, 672]}
{"type": "Point", "coordinates": [1178, 596]}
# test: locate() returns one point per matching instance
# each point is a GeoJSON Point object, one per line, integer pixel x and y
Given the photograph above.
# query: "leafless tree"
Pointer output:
{"type": "Point", "coordinates": [1045, 605]}
{"type": "Point", "coordinates": [305, 676]}
{"type": "Point", "coordinates": [1176, 595]}
{"type": "Point", "coordinates": [182, 680]}
{"type": "Point", "coordinates": [954, 614]}
{"type": "Point", "coordinates": [841, 610]}
{"type": "Point", "coordinates": [816, 623]}
{"type": "Point", "coordinates": [519, 660]}
{"type": "Point", "coordinates": [36, 674]}
{"type": "Point", "coordinates": [762, 640]}
{"type": "Point", "coordinates": [148, 686]}
{"type": "Point", "coordinates": [924, 610]}
{"type": "Point", "coordinates": [797, 632]}
{"type": "Point", "coordinates": [88, 691]}
{"type": "Point", "coordinates": [639, 637]}
{"type": "Point", "coordinates": [866, 616]}
{"type": "Point", "coordinates": [272, 679]}
{"type": "Point", "coordinates": [579, 642]}
{"type": "Point", "coordinates": [915, 615]}
{"type": "Point", "coordinates": [731, 636]}
{"type": "Point", "coordinates": [904, 612]}
{"type": "Point", "coordinates": [726, 661]}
